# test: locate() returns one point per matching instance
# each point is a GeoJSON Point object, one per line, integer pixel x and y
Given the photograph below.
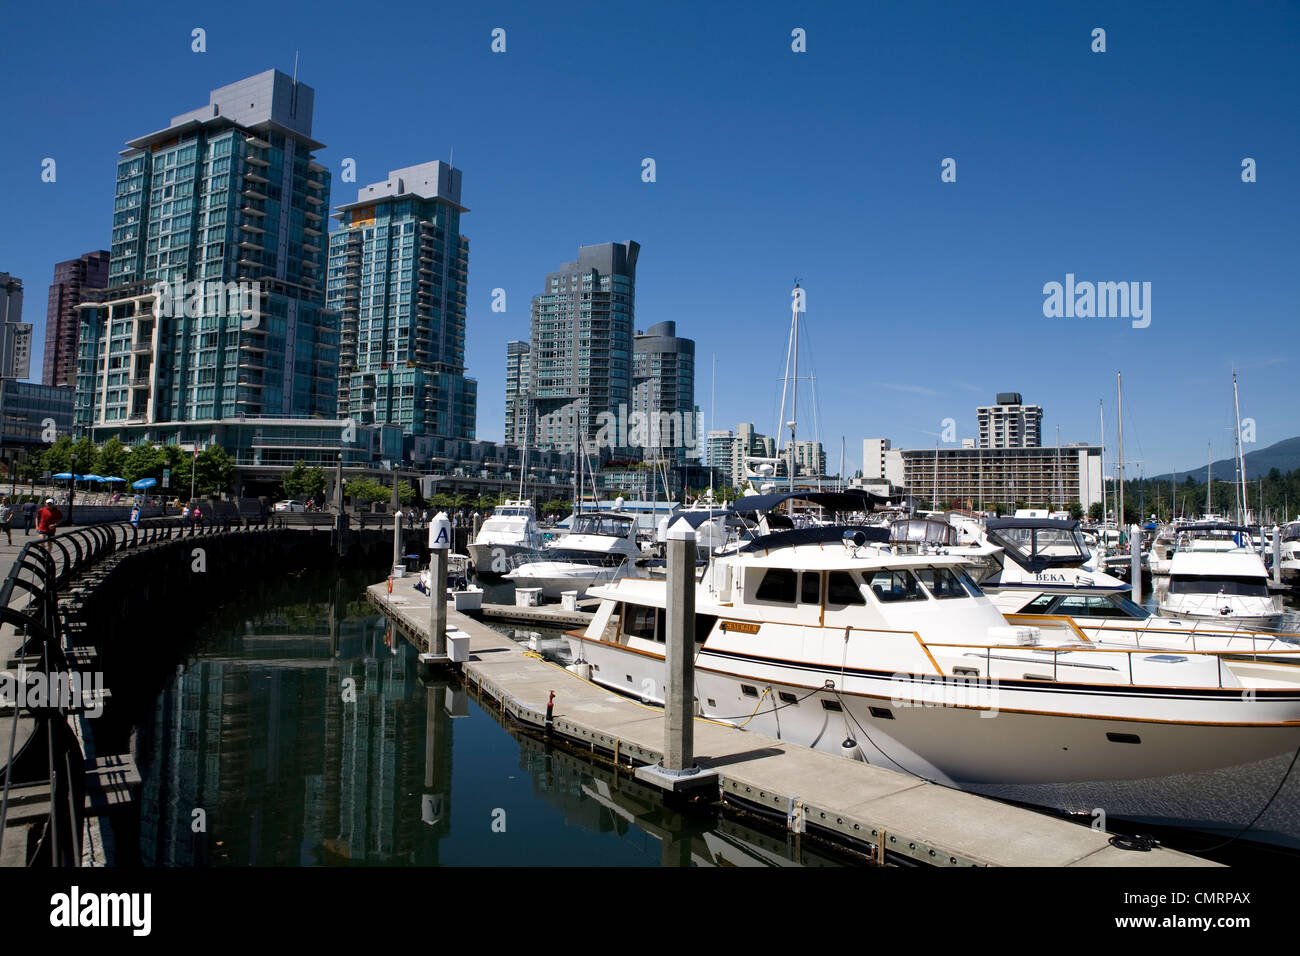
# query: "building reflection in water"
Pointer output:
{"type": "Point", "coordinates": [306, 737]}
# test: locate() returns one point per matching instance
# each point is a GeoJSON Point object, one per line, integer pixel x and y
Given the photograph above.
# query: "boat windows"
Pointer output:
{"type": "Point", "coordinates": [968, 583]}
{"type": "Point", "coordinates": [1241, 586]}
{"type": "Point", "coordinates": [842, 589]}
{"type": "Point", "coordinates": [777, 587]}
{"type": "Point", "coordinates": [810, 591]}
{"type": "Point", "coordinates": [901, 585]}
{"type": "Point", "coordinates": [832, 705]}
{"type": "Point", "coordinates": [942, 583]}
{"type": "Point", "coordinates": [639, 621]}
{"type": "Point", "coordinates": [704, 627]}
{"type": "Point", "coordinates": [1039, 605]}
{"type": "Point", "coordinates": [1078, 605]}
{"type": "Point", "coordinates": [610, 525]}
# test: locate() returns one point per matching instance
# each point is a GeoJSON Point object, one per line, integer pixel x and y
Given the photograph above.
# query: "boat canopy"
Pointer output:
{"type": "Point", "coordinates": [849, 500]}
{"type": "Point", "coordinates": [929, 531]}
{"type": "Point", "coordinates": [1064, 524]}
{"type": "Point", "coordinates": [1039, 543]}
{"type": "Point", "coordinates": [823, 534]}
{"type": "Point", "coordinates": [697, 517]}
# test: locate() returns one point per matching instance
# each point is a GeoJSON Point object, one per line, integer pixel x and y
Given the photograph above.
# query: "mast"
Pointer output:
{"type": "Point", "coordinates": [1101, 411]}
{"type": "Point", "coordinates": [841, 463]}
{"type": "Point", "coordinates": [523, 452]}
{"type": "Point", "coordinates": [934, 505]}
{"type": "Point", "coordinates": [1119, 468]}
{"type": "Point", "coordinates": [1208, 466]}
{"type": "Point", "coordinates": [1241, 458]}
{"type": "Point", "coordinates": [794, 391]}
{"type": "Point", "coordinates": [713, 414]}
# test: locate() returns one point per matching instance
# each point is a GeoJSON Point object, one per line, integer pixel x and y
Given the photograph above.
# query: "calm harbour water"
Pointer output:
{"type": "Point", "coordinates": [260, 738]}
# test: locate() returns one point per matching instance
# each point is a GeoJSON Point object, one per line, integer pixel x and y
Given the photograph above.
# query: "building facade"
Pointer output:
{"type": "Point", "coordinates": [517, 392]}
{"type": "Point", "coordinates": [663, 391]}
{"type": "Point", "coordinates": [983, 478]}
{"type": "Point", "coordinates": [580, 358]}
{"type": "Point", "coordinates": [806, 459]}
{"type": "Point", "coordinates": [15, 334]}
{"type": "Point", "coordinates": [1010, 423]}
{"type": "Point", "coordinates": [89, 271]}
{"type": "Point", "coordinates": [216, 300]}
{"type": "Point", "coordinates": [398, 269]}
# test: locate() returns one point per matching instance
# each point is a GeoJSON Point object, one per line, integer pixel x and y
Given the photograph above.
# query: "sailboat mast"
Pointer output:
{"type": "Point", "coordinates": [794, 391]}
{"type": "Point", "coordinates": [1209, 465]}
{"type": "Point", "coordinates": [1119, 468]}
{"type": "Point", "coordinates": [1241, 458]}
{"type": "Point", "coordinates": [1101, 411]}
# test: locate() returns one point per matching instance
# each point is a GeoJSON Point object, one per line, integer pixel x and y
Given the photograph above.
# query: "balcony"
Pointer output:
{"type": "Point", "coordinates": [249, 227]}
{"type": "Point", "coordinates": [250, 193]}
{"type": "Point", "coordinates": [253, 209]}
{"type": "Point", "coordinates": [141, 348]}
{"type": "Point", "coordinates": [255, 177]}
{"type": "Point", "coordinates": [315, 200]}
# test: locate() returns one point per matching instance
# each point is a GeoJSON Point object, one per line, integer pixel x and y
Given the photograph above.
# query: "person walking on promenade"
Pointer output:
{"type": "Point", "coordinates": [7, 519]}
{"type": "Point", "coordinates": [47, 521]}
{"type": "Point", "coordinates": [29, 517]}
{"type": "Point", "coordinates": [197, 517]}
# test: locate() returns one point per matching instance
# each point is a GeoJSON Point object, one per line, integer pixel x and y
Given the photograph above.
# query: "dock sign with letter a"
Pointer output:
{"type": "Point", "coordinates": [440, 532]}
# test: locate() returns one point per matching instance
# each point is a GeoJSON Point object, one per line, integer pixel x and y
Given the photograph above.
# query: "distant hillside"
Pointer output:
{"type": "Point", "coordinates": [1284, 456]}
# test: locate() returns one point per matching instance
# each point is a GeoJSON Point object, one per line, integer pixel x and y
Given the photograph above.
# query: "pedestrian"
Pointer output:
{"type": "Point", "coordinates": [7, 518]}
{"type": "Point", "coordinates": [29, 516]}
{"type": "Point", "coordinates": [47, 521]}
{"type": "Point", "coordinates": [198, 517]}
{"type": "Point", "coordinates": [135, 517]}
{"type": "Point", "coordinates": [185, 514]}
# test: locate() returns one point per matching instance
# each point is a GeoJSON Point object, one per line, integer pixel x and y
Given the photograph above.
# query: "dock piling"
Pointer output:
{"type": "Point", "coordinates": [1135, 562]}
{"type": "Point", "coordinates": [1277, 555]}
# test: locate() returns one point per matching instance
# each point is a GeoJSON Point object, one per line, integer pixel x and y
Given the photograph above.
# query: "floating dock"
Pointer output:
{"type": "Point", "coordinates": [541, 616]}
{"type": "Point", "coordinates": [839, 798]}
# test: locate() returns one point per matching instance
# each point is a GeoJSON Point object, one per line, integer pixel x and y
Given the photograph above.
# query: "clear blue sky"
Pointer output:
{"type": "Point", "coordinates": [924, 298]}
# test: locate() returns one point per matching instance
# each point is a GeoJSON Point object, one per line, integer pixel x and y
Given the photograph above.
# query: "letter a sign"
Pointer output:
{"type": "Point", "coordinates": [440, 532]}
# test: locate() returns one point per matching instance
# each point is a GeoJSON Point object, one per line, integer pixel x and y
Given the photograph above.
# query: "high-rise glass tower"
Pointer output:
{"type": "Point", "coordinates": [228, 195]}
{"type": "Point", "coordinates": [517, 392]}
{"type": "Point", "coordinates": [663, 389]}
{"type": "Point", "coordinates": [89, 271]}
{"type": "Point", "coordinates": [581, 350]}
{"type": "Point", "coordinates": [397, 275]}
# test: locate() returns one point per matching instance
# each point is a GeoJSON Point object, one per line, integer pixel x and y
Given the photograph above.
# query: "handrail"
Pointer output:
{"type": "Point", "coordinates": [40, 571]}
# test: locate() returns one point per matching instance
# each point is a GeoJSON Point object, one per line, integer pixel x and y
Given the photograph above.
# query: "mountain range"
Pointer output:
{"type": "Point", "coordinates": [1283, 455]}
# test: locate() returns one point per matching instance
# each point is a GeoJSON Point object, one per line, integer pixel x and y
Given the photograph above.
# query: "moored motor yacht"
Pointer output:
{"type": "Point", "coordinates": [820, 637]}
{"type": "Point", "coordinates": [595, 549]}
{"type": "Point", "coordinates": [1216, 575]}
{"type": "Point", "coordinates": [1291, 554]}
{"type": "Point", "coordinates": [511, 529]}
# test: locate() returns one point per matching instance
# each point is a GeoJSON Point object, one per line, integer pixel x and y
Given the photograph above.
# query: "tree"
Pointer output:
{"type": "Point", "coordinates": [58, 457]}
{"type": "Point", "coordinates": [555, 506]}
{"type": "Point", "coordinates": [1094, 511]}
{"type": "Point", "coordinates": [367, 489]}
{"type": "Point", "coordinates": [1076, 510]}
{"type": "Point", "coordinates": [85, 457]}
{"type": "Point", "coordinates": [405, 493]}
{"type": "Point", "coordinates": [144, 460]}
{"type": "Point", "coordinates": [315, 483]}
{"type": "Point", "coordinates": [215, 471]}
{"type": "Point", "coordinates": [112, 456]}
{"type": "Point", "coordinates": [294, 481]}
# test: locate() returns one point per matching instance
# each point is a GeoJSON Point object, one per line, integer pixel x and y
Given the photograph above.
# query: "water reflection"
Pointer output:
{"type": "Point", "coordinates": [302, 735]}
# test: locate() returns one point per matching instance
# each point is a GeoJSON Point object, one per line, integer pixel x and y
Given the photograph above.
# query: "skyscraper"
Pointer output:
{"type": "Point", "coordinates": [397, 275]}
{"type": "Point", "coordinates": [15, 334]}
{"type": "Point", "coordinates": [89, 271]}
{"type": "Point", "coordinates": [581, 350]}
{"type": "Point", "coordinates": [663, 388]}
{"type": "Point", "coordinates": [1010, 423]}
{"type": "Point", "coordinates": [216, 302]}
{"type": "Point", "coordinates": [517, 389]}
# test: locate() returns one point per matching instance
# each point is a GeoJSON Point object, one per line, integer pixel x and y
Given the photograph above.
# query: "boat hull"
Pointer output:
{"type": "Point", "coordinates": [1003, 740]}
{"type": "Point", "coordinates": [495, 559]}
{"type": "Point", "coordinates": [556, 577]}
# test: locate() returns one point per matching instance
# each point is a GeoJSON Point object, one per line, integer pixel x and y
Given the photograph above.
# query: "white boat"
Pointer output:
{"type": "Point", "coordinates": [1291, 554]}
{"type": "Point", "coordinates": [464, 594]}
{"type": "Point", "coordinates": [510, 530]}
{"type": "Point", "coordinates": [1216, 575]}
{"type": "Point", "coordinates": [898, 659]}
{"type": "Point", "coordinates": [595, 549]}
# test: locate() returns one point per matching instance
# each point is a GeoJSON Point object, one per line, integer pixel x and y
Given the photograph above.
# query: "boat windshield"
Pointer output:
{"type": "Point", "coordinates": [1291, 532]}
{"type": "Point", "coordinates": [1035, 548]}
{"type": "Point", "coordinates": [1240, 586]}
{"type": "Point", "coordinates": [943, 583]}
{"type": "Point", "coordinates": [611, 525]}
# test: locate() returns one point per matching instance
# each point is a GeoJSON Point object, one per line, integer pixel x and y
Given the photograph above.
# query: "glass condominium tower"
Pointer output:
{"type": "Point", "coordinates": [580, 356]}
{"type": "Point", "coordinates": [228, 195]}
{"type": "Point", "coordinates": [398, 267]}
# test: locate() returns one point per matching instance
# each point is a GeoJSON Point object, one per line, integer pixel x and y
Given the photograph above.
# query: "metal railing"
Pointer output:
{"type": "Point", "coordinates": [29, 609]}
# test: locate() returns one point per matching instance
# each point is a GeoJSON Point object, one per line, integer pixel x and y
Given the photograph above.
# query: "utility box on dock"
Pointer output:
{"type": "Point", "coordinates": [457, 646]}
{"type": "Point", "coordinates": [528, 597]}
{"type": "Point", "coordinates": [569, 600]}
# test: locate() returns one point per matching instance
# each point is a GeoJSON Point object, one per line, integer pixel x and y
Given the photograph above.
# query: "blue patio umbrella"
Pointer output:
{"type": "Point", "coordinates": [144, 483]}
{"type": "Point", "coordinates": [63, 475]}
{"type": "Point", "coordinates": [112, 478]}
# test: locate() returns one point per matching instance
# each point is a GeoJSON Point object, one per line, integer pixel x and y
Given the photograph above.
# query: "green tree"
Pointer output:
{"type": "Point", "coordinates": [405, 493]}
{"type": "Point", "coordinates": [85, 457]}
{"type": "Point", "coordinates": [215, 471]}
{"type": "Point", "coordinates": [58, 457]}
{"type": "Point", "coordinates": [367, 489]}
{"type": "Point", "coordinates": [112, 457]}
{"type": "Point", "coordinates": [1094, 511]}
{"type": "Point", "coordinates": [1076, 510]}
{"type": "Point", "coordinates": [294, 481]}
{"type": "Point", "coordinates": [555, 506]}
{"type": "Point", "coordinates": [315, 483]}
{"type": "Point", "coordinates": [144, 460]}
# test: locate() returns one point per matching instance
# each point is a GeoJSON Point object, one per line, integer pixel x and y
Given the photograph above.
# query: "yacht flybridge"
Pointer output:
{"type": "Point", "coordinates": [825, 637]}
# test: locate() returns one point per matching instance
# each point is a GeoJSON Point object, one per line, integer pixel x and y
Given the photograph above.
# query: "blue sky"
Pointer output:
{"type": "Point", "coordinates": [924, 298]}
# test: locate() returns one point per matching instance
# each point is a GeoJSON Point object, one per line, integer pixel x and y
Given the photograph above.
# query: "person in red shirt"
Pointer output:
{"type": "Point", "coordinates": [47, 520]}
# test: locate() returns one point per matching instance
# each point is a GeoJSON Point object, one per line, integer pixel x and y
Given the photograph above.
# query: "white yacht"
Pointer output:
{"type": "Point", "coordinates": [1291, 554]}
{"type": "Point", "coordinates": [1216, 575]}
{"type": "Point", "coordinates": [511, 530]}
{"type": "Point", "coordinates": [814, 636]}
{"type": "Point", "coordinates": [595, 550]}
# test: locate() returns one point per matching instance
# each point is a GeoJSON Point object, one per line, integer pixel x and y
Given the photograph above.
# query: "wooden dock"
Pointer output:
{"type": "Point", "coordinates": [871, 805]}
{"type": "Point", "coordinates": [547, 615]}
